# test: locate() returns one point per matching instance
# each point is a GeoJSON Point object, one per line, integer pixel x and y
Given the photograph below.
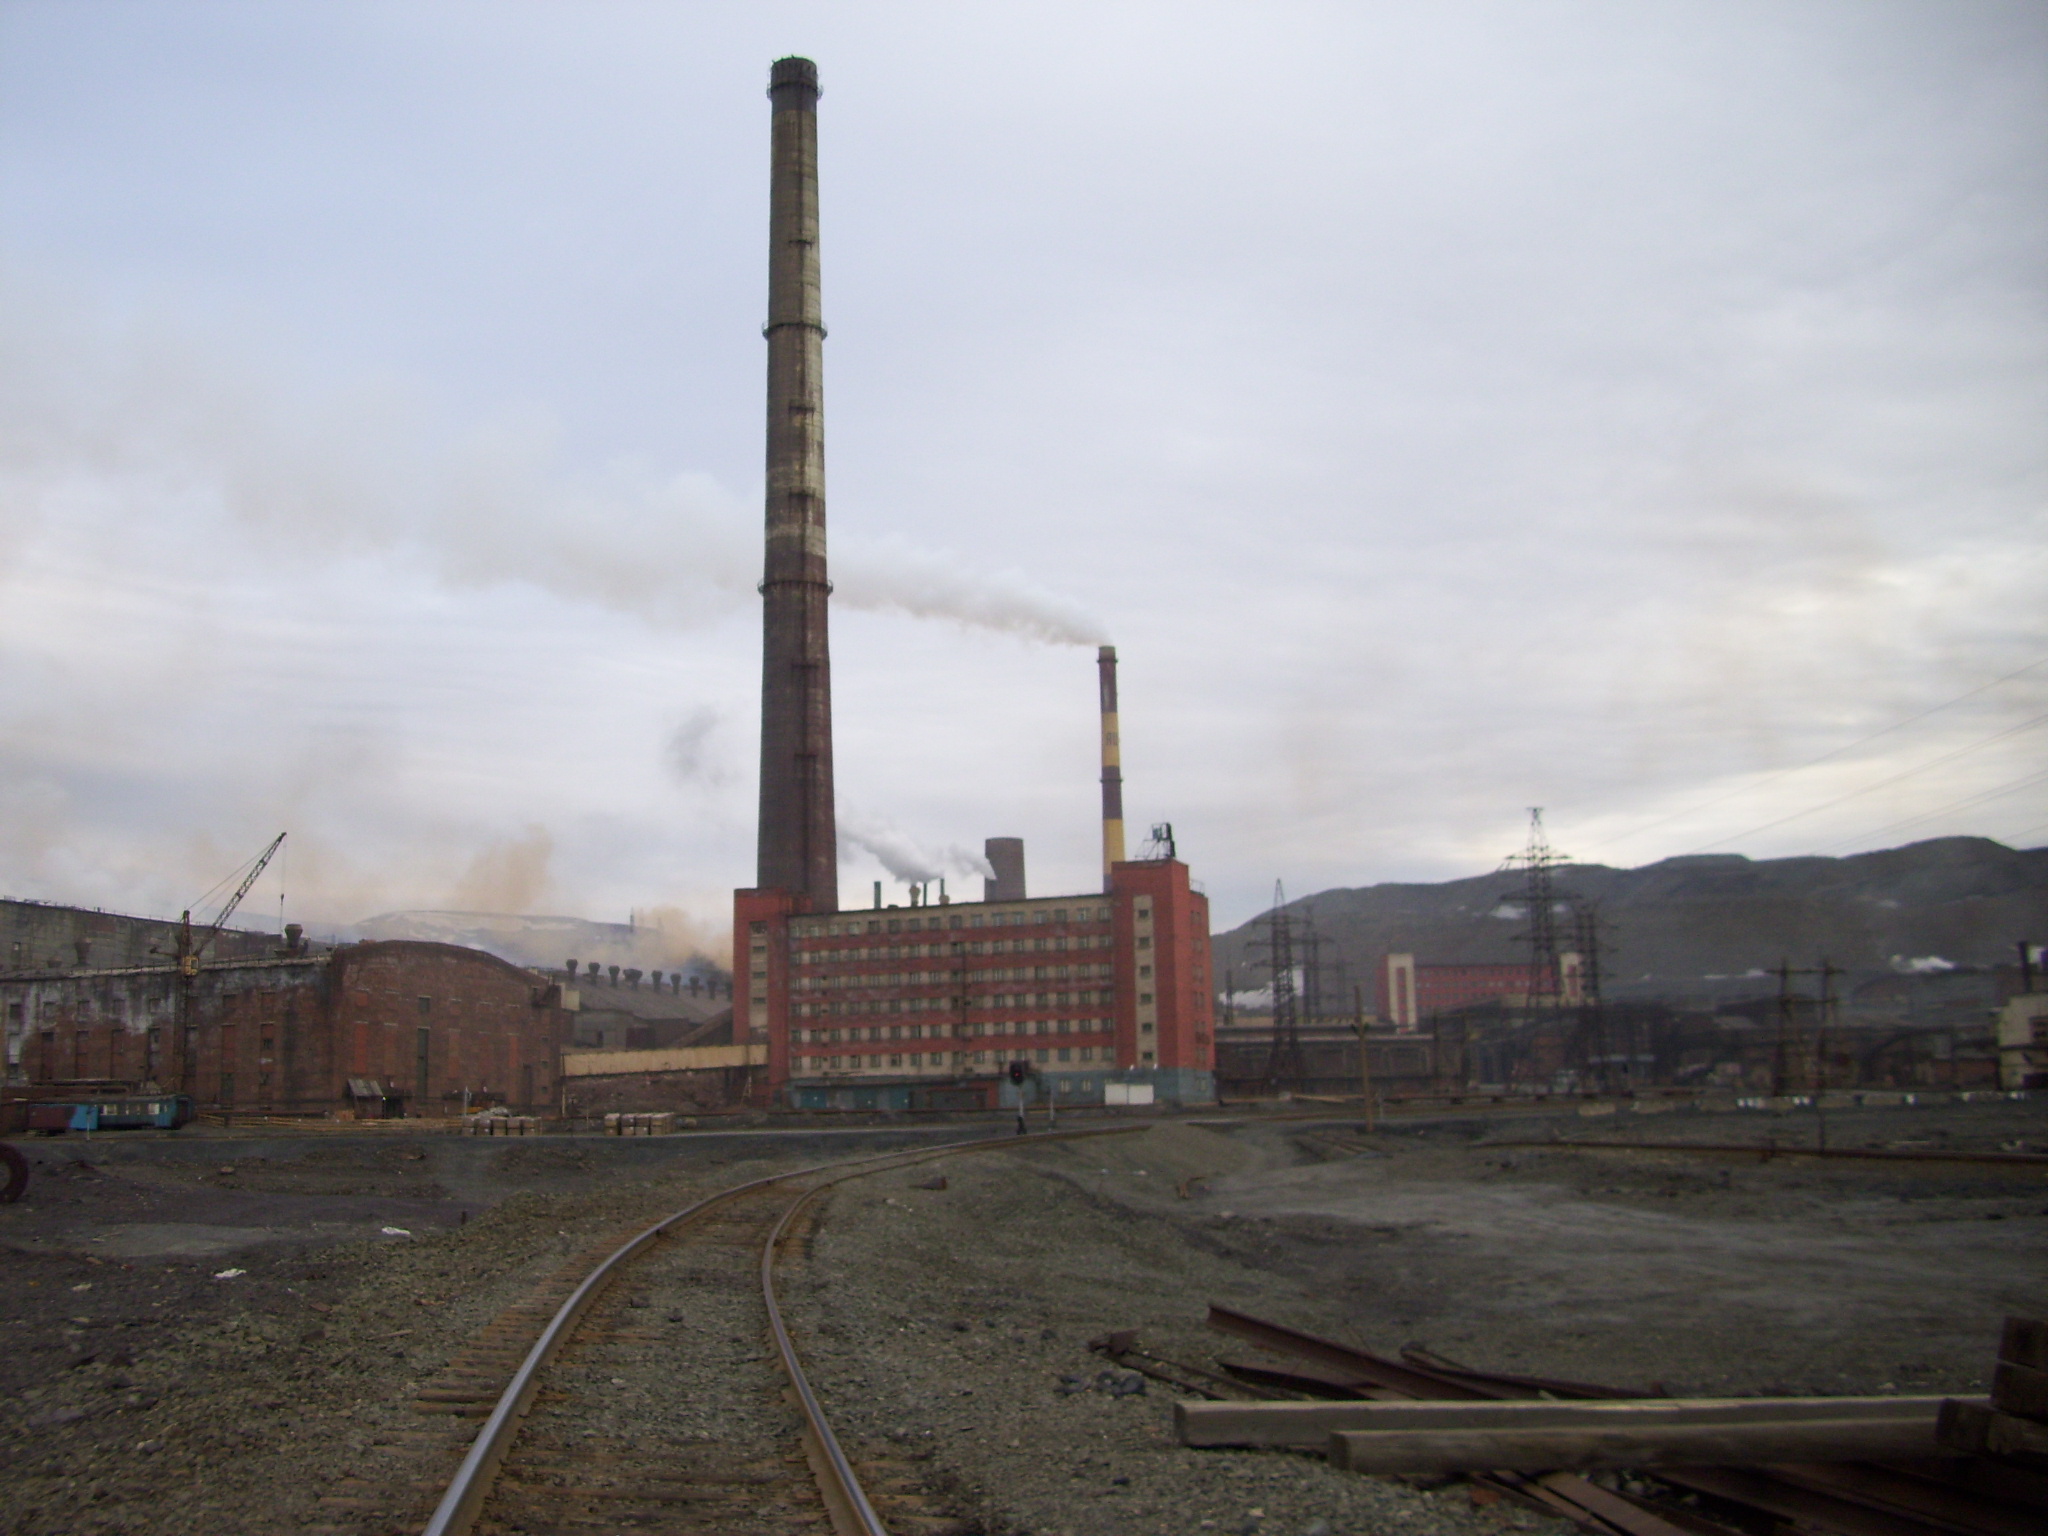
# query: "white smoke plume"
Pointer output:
{"type": "Point", "coordinates": [892, 573]}
{"type": "Point", "coordinates": [904, 857]}
{"type": "Point", "coordinates": [145, 416]}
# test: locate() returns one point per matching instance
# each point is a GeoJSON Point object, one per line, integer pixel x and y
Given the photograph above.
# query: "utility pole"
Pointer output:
{"type": "Point", "coordinates": [1358, 1027]}
{"type": "Point", "coordinates": [1828, 973]}
{"type": "Point", "coordinates": [1782, 1046]}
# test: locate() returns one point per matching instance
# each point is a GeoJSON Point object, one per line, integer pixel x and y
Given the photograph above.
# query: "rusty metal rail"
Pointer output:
{"type": "Point", "coordinates": [468, 1490]}
{"type": "Point", "coordinates": [1914, 1496]}
{"type": "Point", "coordinates": [1765, 1151]}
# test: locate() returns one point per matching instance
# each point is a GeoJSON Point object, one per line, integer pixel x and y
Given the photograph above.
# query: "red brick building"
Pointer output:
{"type": "Point", "coordinates": [1410, 993]}
{"type": "Point", "coordinates": [912, 1007]}
{"type": "Point", "coordinates": [388, 1028]}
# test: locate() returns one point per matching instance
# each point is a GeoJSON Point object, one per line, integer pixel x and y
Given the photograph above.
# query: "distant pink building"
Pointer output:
{"type": "Point", "coordinates": [1410, 993]}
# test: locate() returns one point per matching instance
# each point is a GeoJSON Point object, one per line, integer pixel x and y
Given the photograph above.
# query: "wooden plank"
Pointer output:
{"type": "Point", "coordinates": [1614, 1448]}
{"type": "Point", "coordinates": [2019, 1390]}
{"type": "Point", "coordinates": [1309, 1424]}
{"type": "Point", "coordinates": [1981, 1431]}
{"type": "Point", "coordinates": [2025, 1343]}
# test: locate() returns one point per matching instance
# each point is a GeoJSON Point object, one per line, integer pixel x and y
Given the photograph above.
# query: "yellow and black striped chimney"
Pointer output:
{"type": "Point", "coordinates": [1112, 768]}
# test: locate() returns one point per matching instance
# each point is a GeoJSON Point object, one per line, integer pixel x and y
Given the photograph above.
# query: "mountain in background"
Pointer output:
{"type": "Point", "coordinates": [1695, 928]}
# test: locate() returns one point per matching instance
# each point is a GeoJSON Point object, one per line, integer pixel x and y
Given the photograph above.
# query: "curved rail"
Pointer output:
{"type": "Point", "coordinates": [846, 1492]}
{"type": "Point", "coordinates": [471, 1485]}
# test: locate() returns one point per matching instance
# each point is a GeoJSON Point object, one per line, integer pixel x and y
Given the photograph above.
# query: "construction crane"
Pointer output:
{"type": "Point", "coordinates": [191, 951]}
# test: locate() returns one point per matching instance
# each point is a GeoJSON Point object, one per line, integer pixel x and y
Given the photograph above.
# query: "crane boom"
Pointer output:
{"type": "Point", "coordinates": [189, 952]}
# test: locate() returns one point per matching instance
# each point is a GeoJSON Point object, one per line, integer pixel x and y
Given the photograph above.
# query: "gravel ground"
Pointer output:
{"type": "Point", "coordinates": [162, 1393]}
{"type": "Point", "coordinates": [957, 1320]}
{"type": "Point", "coordinates": [145, 1389]}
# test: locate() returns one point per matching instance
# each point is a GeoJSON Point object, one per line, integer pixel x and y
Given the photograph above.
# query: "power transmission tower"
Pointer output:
{"type": "Point", "coordinates": [1544, 996]}
{"type": "Point", "coordinates": [1596, 1043]}
{"type": "Point", "coordinates": [1283, 1061]}
{"type": "Point", "coordinates": [1308, 943]}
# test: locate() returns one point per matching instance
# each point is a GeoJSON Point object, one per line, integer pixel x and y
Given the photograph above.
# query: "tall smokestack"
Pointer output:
{"type": "Point", "coordinates": [798, 833]}
{"type": "Point", "coordinates": [1005, 856]}
{"type": "Point", "coordinates": [1112, 767]}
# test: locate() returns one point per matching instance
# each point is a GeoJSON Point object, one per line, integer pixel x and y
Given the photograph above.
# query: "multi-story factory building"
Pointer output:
{"type": "Point", "coordinates": [913, 1007]}
{"type": "Point", "coordinates": [1101, 995]}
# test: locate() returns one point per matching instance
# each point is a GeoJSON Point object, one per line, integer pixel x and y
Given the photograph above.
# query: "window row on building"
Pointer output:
{"type": "Point", "coordinates": [822, 981]}
{"type": "Point", "coordinates": [940, 1061]}
{"type": "Point", "coordinates": [854, 925]}
{"type": "Point", "coordinates": [996, 1002]}
{"type": "Point", "coordinates": [813, 1036]}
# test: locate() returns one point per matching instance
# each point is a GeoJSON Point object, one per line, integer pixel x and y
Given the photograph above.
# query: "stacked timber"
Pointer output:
{"type": "Point", "coordinates": [1534, 1435]}
{"type": "Point", "coordinates": [662, 1123]}
{"type": "Point", "coordinates": [2013, 1426]}
{"type": "Point", "coordinates": [501, 1125]}
{"type": "Point", "coordinates": [1847, 1466]}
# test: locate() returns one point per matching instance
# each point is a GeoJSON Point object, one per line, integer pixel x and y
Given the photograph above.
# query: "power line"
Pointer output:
{"type": "Point", "coordinates": [1896, 725]}
{"type": "Point", "coordinates": [1880, 784]}
{"type": "Point", "coordinates": [1955, 805]}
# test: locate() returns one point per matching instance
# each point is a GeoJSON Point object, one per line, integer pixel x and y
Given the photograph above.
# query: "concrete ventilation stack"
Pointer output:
{"type": "Point", "coordinates": [1005, 856]}
{"type": "Point", "coordinates": [798, 849]}
{"type": "Point", "coordinates": [1112, 768]}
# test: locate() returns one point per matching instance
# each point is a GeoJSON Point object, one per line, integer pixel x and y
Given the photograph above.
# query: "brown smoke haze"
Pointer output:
{"type": "Point", "coordinates": [509, 876]}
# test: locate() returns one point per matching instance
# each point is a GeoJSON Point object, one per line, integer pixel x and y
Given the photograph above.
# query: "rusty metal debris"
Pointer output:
{"type": "Point", "coordinates": [1947, 1489]}
{"type": "Point", "coordinates": [1765, 1151]}
{"type": "Point", "coordinates": [1122, 1347]}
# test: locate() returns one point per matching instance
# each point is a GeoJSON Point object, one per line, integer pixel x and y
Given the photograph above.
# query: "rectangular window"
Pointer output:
{"type": "Point", "coordinates": [896, 1061]}
{"type": "Point", "coordinates": [1039, 1054]}
{"type": "Point", "coordinates": [1066, 1053]}
{"type": "Point", "coordinates": [422, 1038]}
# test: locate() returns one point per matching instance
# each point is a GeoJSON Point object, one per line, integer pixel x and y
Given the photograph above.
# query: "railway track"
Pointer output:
{"type": "Point", "coordinates": [666, 1394]}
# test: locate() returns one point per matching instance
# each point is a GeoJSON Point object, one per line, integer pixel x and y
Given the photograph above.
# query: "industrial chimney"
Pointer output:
{"type": "Point", "coordinates": [1112, 769]}
{"type": "Point", "coordinates": [798, 850]}
{"type": "Point", "coordinates": [1005, 856]}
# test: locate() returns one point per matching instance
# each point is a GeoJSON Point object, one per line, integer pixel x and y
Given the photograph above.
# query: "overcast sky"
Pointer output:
{"type": "Point", "coordinates": [1633, 410]}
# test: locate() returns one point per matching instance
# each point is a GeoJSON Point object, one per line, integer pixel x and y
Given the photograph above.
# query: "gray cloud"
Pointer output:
{"type": "Point", "coordinates": [1448, 409]}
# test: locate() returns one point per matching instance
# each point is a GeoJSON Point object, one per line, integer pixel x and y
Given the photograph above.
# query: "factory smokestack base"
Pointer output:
{"type": "Point", "coordinates": [1005, 856]}
{"type": "Point", "coordinates": [798, 849]}
{"type": "Point", "coordinates": [1112, 769]}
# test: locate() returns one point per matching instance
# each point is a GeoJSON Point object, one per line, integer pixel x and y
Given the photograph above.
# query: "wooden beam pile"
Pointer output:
{"type": "Point", "coordinates": [2013, 1426]}
{"type": "Point", "coordinates": [1854, 1466]}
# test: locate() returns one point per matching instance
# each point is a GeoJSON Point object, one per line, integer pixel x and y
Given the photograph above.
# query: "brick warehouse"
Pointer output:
{"type": "Point", "coordinates": [1410, 993]}
{"type": "Point", "coordinates": [925, 1007]}
{"type": "Point", "coordinates": [388, 1028]}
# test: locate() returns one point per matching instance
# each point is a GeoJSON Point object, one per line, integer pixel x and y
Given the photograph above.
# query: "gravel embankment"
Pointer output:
{"type": "Point", "coordinates": [166, 1395]}
{"type": "Point", "coordinates": [956, 1321]}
